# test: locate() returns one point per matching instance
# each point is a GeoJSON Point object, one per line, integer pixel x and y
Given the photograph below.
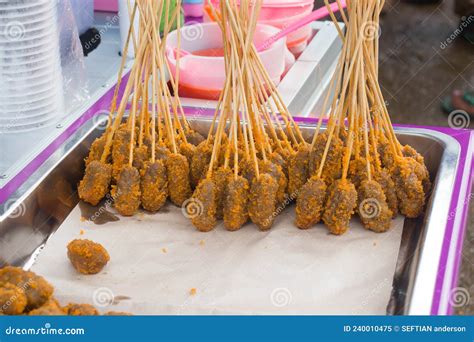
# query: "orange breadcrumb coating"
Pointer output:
{"type": "Point", "coordinates": [385, 180]}
{"type": "Point", "coordinates": [120, 150]}
{"type": "Point", "coordinates": [154, 186]}
{"type": "Point", "coordinates": [192, 291]}
{"type": "Point", "coordinates": [332, 169]}
{"type": "Point", "coordinates": [262, 201]}
{"type": "Point", "coordinates": [96, 150]}
{"type": "Point", "coordinates": [36, 288]}
{"type": "Point", "coordinates": [236, 203]}
{"type": "Point", "coordinates": [340, 206]}
{"type": "Point", "coordinates": [411, 197]}
{"type": "Point", "coordinates": [179, 186]}
{"type": "Point", "coordinates": [276, 172]}
{"type": "Point", "coordinates": [385, 152]}
{"type": "Point", "coordinates": [204, 198]}
{"type": "Point", "coordinates": [140, 156]}
{"type": "Point", "coordinates": [50, 308]}
{"type": "Point", "coordinates": [80, 310]}
{"type": "Point", "coordinates": [96, 182]}
{"type": "Point", "coordinates": [310, 202]}
{"type": "Point", "coordinates": [221, 177]}
{"type": "Point", "coordinates": [161, 153]}
{"type": "Point", "coordinates": [298, 169]}
{"type": "Point", "coordinates": [86, 256]}
{"type": "Point", "coordinates": [188, 150]}
{"type": "Point", "coordinates": [200, 162]}
{"type": "Point", "coordinates": [13, 300]}
{"type": "Point", "coordinates": [127, 193]}
{"type": "Point", "coordinates": [372, 208]}
{"type": "Point", "coordinates": [276, 158]}
{"type": "Point", "coordinates": [420, 169]}
{"type": "Point", "coordinates": [194, 137]}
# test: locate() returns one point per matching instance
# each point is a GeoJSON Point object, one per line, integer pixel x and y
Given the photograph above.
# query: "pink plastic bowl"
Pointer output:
{"type": "Point", "coordinates": [203, 76]}
{"type": "Point", "coordinates": [282, 13]}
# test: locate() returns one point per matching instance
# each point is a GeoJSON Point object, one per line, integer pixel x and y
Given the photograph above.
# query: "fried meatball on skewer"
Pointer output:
{"type": "Point", "coordinates": [221, 177]}
{"type": "Point", "coordinates": [410, 194]}
{"type": "Point", "coordinates": [179, 186]}
{"type": "Point", "coordinates": [340, 205]}
{"type": "Point", "coordinates": [96, 150]}
{"type": "Point", "coordinates": [204, 198]}
{"type": "Point", "coordinates": [310, 202]}
{"type": "Point", "coordinates": [80, 310]}
{"type": "Point", "coordinates": [194, 137]}
{"type": "Point", "coordinates": [298, 169]}
{"type": "Point", "coordinates": [140, 156]}
{"type": "Point", "coordinates": [50, 308]}
{"type": "Point", "coordinates": [373, 209]}
{"type": "Point", "coordinates": [120, 150]}
{"type": "Point", "coordinates": [200, 162]}
{"type": "Point", "coordinates": [126, 193]}
{"type": "Point", "coordinates": [236, 203]}
{"type": "Point", "coordinates": [262, 201]}
{"type": "Point", "coordinates": [388, 186]}
{"type": "Point", "coordinates": [96, 182]}
{"type": "Point", "coordinates": [154, 186]}
{"type": "Point", "coordinates": [277, 173]}
{"type": "Point", "coordinates": [421, 169]}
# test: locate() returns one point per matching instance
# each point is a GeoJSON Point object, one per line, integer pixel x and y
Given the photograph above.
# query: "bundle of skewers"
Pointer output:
{"type": "Point", "coordinates": [255, 160]}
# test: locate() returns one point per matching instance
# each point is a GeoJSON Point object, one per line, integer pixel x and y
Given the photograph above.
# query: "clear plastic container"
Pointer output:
{"type": "Point", "coordinates": [203, 76]}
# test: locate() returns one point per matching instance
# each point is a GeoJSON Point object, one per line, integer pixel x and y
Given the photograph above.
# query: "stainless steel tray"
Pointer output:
{"type": "Point", "coordinates": [32, 219]}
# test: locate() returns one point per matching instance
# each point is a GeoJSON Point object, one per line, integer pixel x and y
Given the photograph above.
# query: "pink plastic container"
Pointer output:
{"type": "Point", "coordinates": [281, 13]}
{"type": "Point", "coordinates": [203, 76]}
{"type": "Point", "coordinates": [193, 10]}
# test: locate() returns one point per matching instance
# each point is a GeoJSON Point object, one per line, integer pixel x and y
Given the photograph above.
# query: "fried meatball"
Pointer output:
{"type": "Point", "coordinates": [236, 203]}
{"type": "Point", "coordinates": [36, 288]}
{"type": "Point", "coordinates": [247, 170]}
{"type": "Point", "coordinates": [410, 194]}
{"type": "Point", "coordinates": [332, 169]}
{"type": "Point", "coordinates": [298, 172]}
{"type": "Point", "coordinates": [221, 177]}
{"type": "Point", "coordinates": [73, 309]}
{"type": "Point", "coordinates": [357, 172]}
{"type": "Point", "coordinates": [96, 150]}
{"type": "Point", "coordinates": [277, 159]}
{"type": "Point", "coordinates": [96, 182]}
{"type": "Point", "coordinates": [276, 172]}
{"type": "Point", "coordinates": [310, 202]}
{"type": "Point", "coordinates": [162, 153]}
{"type": "Point", "coordinates": [13, 300]}
{"type": "Point", "coordinates": [120, 150]}
{"type": "Point", "coordinates": [154, 186]}
{"type": "Point", "coordinates": [388, 186]}
{"type": "Point", "coordinates": [421, 169]}
{"type": "Point", "coordinates": [126, 193]}
{"type": "Point", "coordinates": [204, 198]}
{"type": "Point", "coordinates": [373, 209]}
{"type": "Point", "coordinates": [200, 162]}
{"type": "Point", "coordinates": [140, 156]}
{"type": "Point", "coordinates": [194, 137]}
{"type": "Point", "coordinates": [86, 256]}
{"type": "Point", "coordinates": [49, 308]}
{"type": "Point", "coordinates": [179, 186]}
{"type": "Point", "coordinates": [262, 201]}
{"type": "Point", "coordinates": [187, 150]}
{"type": "Point", "coordinates": [385, 152]}
{"type": "Point", "coordinates": [340, 205]}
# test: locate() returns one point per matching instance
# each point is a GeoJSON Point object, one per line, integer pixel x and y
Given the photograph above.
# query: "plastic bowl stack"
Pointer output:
{"type": "Point", "coordinates": [31, 93]}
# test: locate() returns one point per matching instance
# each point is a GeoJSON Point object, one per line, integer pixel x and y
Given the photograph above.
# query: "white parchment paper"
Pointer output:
{"type": "Point", "coordinates": [156, 261]}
